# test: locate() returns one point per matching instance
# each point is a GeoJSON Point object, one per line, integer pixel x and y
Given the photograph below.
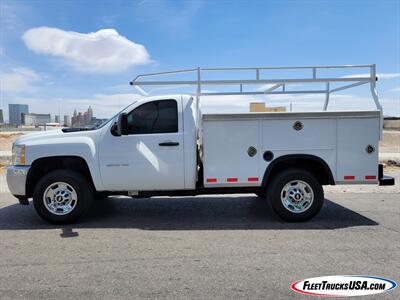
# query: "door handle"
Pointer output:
{"type": "Point", "coordinates": [169, 144]}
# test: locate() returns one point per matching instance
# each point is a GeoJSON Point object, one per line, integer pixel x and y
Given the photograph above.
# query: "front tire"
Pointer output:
{"type": "Point", "coordinates": [295, 195]}
{"type": "Point", "coordinates": [62, 197]}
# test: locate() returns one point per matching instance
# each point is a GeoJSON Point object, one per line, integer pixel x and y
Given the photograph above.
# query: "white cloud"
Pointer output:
{"type": "Point", "coordinates": [388, 75]}
{"type": "Point", "coordinates": [380, 75]}
{"type": "Point", "coordinates": [103, 51]}
{"type": "Point", "coordinates": [396, 89]}
{"type": "Point", "coordinates": [18, 80]}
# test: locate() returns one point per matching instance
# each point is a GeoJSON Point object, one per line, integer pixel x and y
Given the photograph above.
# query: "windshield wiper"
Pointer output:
{"type": "Point", "coordinates": [72, 129]}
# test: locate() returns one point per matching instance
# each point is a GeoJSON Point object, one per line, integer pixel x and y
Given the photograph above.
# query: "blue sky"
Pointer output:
{"type": "Point", "coordinates": [48, 61]}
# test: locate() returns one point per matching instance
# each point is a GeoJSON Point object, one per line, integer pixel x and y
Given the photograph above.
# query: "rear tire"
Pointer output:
{"type": "Point", "coordinates": [295, 195]}
{"type": "Point", "coordinates": [62, 197]}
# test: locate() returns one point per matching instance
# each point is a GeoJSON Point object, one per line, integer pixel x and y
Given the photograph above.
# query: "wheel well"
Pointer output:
{"type": "Point", "coordinates": [43, 166]}
{"type": "Point", "coordinates": [311, 163]}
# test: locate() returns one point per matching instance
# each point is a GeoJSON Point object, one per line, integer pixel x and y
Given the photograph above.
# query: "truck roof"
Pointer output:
{"type": "Point", "coordinates": [165, 96]}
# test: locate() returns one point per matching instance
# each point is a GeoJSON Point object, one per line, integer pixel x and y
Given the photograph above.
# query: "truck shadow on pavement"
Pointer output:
{"type": "Point", "coordinates": [186, 213]}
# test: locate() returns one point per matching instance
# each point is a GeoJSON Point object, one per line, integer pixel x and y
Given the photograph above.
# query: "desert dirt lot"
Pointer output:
{"type": "Point", "coordinates": [390, 141]}
{"type": "Point", "coordinates": [7, 138]}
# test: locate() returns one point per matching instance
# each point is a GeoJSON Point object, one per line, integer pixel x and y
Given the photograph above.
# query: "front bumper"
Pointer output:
{"type": "Point", "coordinates": [16, 180]}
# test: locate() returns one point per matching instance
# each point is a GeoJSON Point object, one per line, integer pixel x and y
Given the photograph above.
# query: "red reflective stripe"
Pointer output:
{"type": "Point", "coordinates": [370, 177]}
{"type": "Point", "coordinates": [231, 179]}
{"type": "Point", "coordinates": [211, 179]}
{"type": "Point", "coordinates": [252, 179]}
{"type": "Point", "coordinates": [349, 177]}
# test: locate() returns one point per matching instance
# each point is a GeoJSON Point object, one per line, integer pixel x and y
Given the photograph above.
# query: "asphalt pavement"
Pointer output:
{"type": "Point", "coordinates": [216, 247]}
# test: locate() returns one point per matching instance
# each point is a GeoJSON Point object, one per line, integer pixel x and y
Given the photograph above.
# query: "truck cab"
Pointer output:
{"type": "Point", "coordinates": [156, 148]}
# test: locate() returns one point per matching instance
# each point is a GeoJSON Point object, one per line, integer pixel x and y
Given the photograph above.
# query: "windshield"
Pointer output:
{"type": "Point", "coordinates": [113, 117]}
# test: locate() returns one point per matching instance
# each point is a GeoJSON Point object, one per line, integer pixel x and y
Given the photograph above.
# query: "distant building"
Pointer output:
{"type": "Point", "coordinates": [391, 123]}
{"type": "Point", "coordinates": [56, 119]}
{"type": "Point", "coordinates": [67, 121]}
{"type": "Point", "coordinates": [82, 119]}
{"type": "Point", "coordinates": [88, 115]}
{"type": "Point", "coordinates": [74, 120]}
{"type": "Point", "coordinates": [1, 117]}
{"type": "Point", "coordinates": [15, 112]}
{"type": "Point", "coordinates": [36, 119]}
{"type": "Point", "coordinates": [261, 107]}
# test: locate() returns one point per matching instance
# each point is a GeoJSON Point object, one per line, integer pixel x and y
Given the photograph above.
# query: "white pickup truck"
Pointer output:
{"type": "Point", "coordinates": [163, 145]}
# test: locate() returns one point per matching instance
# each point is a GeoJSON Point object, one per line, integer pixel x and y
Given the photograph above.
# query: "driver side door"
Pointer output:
{"type": "Point", "coordinates": [151, 156]}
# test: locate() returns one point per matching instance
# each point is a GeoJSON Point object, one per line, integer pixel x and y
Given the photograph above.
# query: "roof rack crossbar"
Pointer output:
{"type": "Point", "coordinates": [199, 82]}
{"type": "Point", "coordinates": [353, 80]}
{"type": "Point", "coordinates": [348, 86]}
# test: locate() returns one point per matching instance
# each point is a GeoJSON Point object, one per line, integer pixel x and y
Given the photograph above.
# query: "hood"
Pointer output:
{"type": "Point", "coordinates": [38, 135]}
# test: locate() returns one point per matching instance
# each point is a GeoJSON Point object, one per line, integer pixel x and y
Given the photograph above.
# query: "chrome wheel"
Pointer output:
{"type": "Point", "coordinates": [297, 196]}
{"type": "Point", "coordinates": [60, 198]}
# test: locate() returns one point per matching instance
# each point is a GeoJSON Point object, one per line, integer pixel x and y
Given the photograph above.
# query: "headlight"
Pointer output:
{"type": "Point", "coordinates": [18, 155]}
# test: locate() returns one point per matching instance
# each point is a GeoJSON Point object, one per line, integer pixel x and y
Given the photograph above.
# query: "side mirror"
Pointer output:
{"type": "Point", "coordinates": [114, 129]}
{"type": "Point", "coordinates": [122, 124]}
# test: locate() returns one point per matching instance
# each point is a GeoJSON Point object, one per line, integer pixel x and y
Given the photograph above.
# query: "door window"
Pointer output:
{"type": "Point", "coordinates": [154, 117]}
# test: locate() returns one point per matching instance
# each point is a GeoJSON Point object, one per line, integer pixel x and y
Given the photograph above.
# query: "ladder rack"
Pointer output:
{"type": "Point", "coordinates": [278, 86]}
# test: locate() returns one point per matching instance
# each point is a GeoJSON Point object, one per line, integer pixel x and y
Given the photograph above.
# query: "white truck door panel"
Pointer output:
{"type": "Point", "coordinates": [315, 134]}
{"type": "Point", "coordinates": [225, 159]}
{"type": "Point", "coordinates": [354, 163]}
{"type": "Point", "coordinates": [317, 137]}
{"type": "Point", "coordinates": [141, 161]}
